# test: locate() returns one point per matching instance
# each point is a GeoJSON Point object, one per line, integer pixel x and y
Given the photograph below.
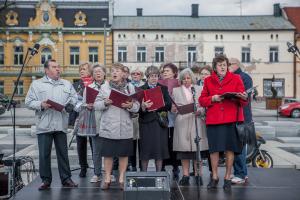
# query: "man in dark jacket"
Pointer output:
{"type": "Point", "coordinates": [239, 165]}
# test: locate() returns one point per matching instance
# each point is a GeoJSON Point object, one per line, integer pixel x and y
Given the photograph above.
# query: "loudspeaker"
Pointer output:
{"type": "Point", "coordinates": [147, 186]}
{"type": "Point", "coordinates": [5, 178]}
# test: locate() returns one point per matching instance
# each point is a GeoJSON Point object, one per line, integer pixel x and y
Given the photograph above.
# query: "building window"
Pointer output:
{"type": "Point", "coordinates": [18, 56]}
{"type": "Point", "coordinates": [20, 88]}
{"type": "Point", "coordinates": [272, 36]}
{"type": "Point", "coordinates": [141, 54]}
{"type": "Point", "coordinates": [216, 37]}
{"type": "Point", "coordinates": [159, 54]}
{"type": "Point", "coordinates": [122, 54]}
{"type": "Point", "coordinates": [192, 55]}
{"type": "Point", "coordinates": [1, 87]}
{"type": "Point", "coordinates": [243, 37]}
{"type": "Point", "coordinates": [273, 53]}
{"type": "Point", "coordinates": [139, 36]}
{"type": "Point", "coordinates": [144, 36]}
{"type": "Point", "coordinates": [156, 37]}
{"type": "Point", "coordinates": [246, 54]}
{"type": "Point", "coordinates": [1, 55]}
{"type": "Point", "coordinates": [248, 37]}
{"type": "Point", "coordinates": [189, 36]}
{"type": "Point", "coordinates": [45, 55]}
{"type": "Point", "coordinates": [74, 55]}
{"type": "Point", "coordinates": [219, 51]}
{"type": "Point", "coordinates": [278, 85]}
{"type": "Point", "coordinates": [221, 36]}
{"type": "Point", "coordinates": [93, 54]}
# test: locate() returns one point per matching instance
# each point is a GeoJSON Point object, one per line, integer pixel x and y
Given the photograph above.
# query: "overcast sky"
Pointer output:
{"type": "Point", "coordinates": [206, 7]}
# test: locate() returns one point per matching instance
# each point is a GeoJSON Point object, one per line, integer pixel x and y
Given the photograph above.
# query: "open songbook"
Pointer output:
{"type": "Point", "coordinates": [232, 95]}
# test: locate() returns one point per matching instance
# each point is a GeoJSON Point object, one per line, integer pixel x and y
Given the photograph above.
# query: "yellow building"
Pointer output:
{"type": "Point", "coordinates": [69, 32]}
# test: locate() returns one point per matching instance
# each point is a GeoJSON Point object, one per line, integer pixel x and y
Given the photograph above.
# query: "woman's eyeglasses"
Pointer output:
{"type": "Point", "coordinates": [136, 74]}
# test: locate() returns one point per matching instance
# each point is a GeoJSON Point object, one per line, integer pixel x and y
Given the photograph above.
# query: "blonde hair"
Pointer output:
{"type": "Point", "coordinates": [90, 68]}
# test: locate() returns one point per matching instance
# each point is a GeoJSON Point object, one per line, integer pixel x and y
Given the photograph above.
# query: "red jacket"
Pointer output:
{"type": "Point", "coordinates": [225, 111]}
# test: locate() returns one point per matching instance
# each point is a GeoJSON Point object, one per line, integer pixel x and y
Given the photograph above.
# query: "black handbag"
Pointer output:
{"type": "Point", "coordinates": [163, 119]}
{"type": "Point", "coordinates": [246, 131]}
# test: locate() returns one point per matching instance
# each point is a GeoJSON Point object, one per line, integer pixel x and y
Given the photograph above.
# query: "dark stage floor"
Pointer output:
{"type": "Point", "coordinates": [264, 184]}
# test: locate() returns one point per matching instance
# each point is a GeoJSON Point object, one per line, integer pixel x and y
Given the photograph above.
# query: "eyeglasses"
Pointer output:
{"type": "Point", "coordinates": [136, 74]}
{"type": "Point", "coordinates": [153, 76]}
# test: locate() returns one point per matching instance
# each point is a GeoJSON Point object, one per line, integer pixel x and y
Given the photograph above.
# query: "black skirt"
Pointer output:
{"type": "Point", "coordinates": [191, 155]}
{"type": "Point", "coordinates": [116, 148]}
{"type": "Point", "coordinates": [153, 141]}
{"type": "Point", "coordinates": [222, 138]}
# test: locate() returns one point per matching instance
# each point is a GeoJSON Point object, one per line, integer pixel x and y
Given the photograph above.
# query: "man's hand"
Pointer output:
{"type": "Point", "coordinates": [45, 105]}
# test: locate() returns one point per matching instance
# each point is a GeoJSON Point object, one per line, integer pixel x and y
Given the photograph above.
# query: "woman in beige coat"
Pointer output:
{"type": "Point", "coordinates": [185, 128]}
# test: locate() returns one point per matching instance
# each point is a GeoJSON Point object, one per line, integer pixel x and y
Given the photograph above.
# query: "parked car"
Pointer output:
{"type": "Point", "coordinates": [290, 109]}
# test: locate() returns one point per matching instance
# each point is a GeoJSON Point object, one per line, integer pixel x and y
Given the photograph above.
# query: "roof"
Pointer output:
{"type": "Point", "coordinates": [293, 14]}
{"type": "Point", "coordinates": [201, 23]}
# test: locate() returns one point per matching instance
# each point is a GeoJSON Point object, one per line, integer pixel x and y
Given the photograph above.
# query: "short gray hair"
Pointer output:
{"type": "Point", "coordinates": [151, 70]}
{"type": "Point", "coordinates": [189, 72]}
{"type": "Point", "coordinates": [101, 66]}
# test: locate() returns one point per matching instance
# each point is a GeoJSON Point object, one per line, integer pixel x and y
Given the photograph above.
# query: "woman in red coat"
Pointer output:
{"type": "Point", "coordinates": [221, 116]}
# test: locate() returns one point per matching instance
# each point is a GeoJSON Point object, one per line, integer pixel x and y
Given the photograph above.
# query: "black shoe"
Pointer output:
{"type": "Point", "coordinates": [44, 186]}
{"type": "Point", "coordinates": [227, 185]}
{"type": "Point", "coordinates": [185, 181]}
{"type": "Point", "coordinates": [70, 184]}
{"type": "Point", "coordinates": [198, 179]}
{"type": "Point", "coordinates": [212, 184]}
{"type": "Point", "coordinates": [82, 172]}
{"type": "Point", "coordinates": [176, 172]}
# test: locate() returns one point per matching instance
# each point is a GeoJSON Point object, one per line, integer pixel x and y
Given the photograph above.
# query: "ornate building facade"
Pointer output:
{"type": "Point", "coordinates": [69, 32]}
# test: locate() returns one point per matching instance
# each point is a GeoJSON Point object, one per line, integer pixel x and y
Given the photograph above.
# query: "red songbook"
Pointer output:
{"type": "Point", "coordinates": [184, 109]}
{"type": "Point", "coordinates": [155, 95]}
{"type": "Point", "coordinates": [170, 83]}
{"type": "Point", "coordinates": [91, 95]}
{"type": "Point", "coordinates": [56, 106]}
{"type": "Point", "coordinates": [118, 97]}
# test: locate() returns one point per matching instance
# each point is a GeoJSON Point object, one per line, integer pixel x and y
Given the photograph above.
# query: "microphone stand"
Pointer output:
{"type": "Point", "coordinates": [197, 142]}
{"type": "Point", "coordinates": [13, 103]}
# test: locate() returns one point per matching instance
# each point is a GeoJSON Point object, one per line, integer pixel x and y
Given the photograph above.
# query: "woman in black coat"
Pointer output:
{"type": "Point", "coordinates": [153, 136]}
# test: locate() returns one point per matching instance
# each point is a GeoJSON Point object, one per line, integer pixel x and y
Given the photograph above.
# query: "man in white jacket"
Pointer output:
{"type": "Point", "coordinates": [50, 123]}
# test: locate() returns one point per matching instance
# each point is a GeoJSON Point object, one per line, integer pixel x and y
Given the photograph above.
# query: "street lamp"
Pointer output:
{"type": "Point", "coordinates": [104, 20]}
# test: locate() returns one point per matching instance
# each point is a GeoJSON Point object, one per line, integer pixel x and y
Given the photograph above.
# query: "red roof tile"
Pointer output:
{"type": "Point", "coordinates": [293, 14]}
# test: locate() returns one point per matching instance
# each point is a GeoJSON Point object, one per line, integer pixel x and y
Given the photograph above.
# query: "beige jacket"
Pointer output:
{"type": "Point", "coordinates": [185, 128]}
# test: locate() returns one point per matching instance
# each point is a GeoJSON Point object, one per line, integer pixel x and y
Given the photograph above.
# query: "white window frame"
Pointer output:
{"type": "Point", "coordinates": [159, 54]}
{"type": "Point", "coordinates": [246, 55]}
{"type": "Point", "coordinates": [93, 54]}
{"type": "Point", "coordinates": [141, 54]}
{"type": "Point", "coordinates": [74, 56]}
{"type": "Point", "coordinates": [122, 54]}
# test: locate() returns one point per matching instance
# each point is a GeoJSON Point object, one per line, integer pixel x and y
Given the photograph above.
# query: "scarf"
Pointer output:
{"type": "Point", "coordinates": [118, 86]}
{"type": "Point", "coordinates": [87, 80]}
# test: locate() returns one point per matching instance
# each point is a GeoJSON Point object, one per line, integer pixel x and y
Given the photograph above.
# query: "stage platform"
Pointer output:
{"type": "Point", "coordinates": [263, 184]}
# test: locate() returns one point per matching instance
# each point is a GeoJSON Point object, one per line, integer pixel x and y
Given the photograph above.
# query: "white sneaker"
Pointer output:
{"type": "Point", "coordinates": [95, 179]}
{"type": "Point", "coordinates": [237, 180]}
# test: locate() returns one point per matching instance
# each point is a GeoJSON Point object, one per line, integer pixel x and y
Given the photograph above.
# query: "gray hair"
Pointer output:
{"type": "Point", "coordinates": [189, 72]}
{"type": "Point", "coordinates": [151, 70]}
{"type": "Point", "coordinates": [101, 66]}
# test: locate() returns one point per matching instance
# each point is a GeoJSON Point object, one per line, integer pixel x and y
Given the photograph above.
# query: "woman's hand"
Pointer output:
{"type": "Point", "coordinates": [90, 106]}
{"type": "Point", "coordinates": [127, 104]}
{"type": "Point", "coordinates": [107, 102]}
{"type": "Point", "coordinates": [242, 95]}
{"type": "Point", "coordinates": [146, 104]}
{"type": "Point", "coordinates": [216, 98]}
{"type": "Point", "coordinates": [174, 109]}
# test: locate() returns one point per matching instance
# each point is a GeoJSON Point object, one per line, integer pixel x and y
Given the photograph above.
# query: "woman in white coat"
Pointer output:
{"type": "Point", "coordinates": [185, 128]}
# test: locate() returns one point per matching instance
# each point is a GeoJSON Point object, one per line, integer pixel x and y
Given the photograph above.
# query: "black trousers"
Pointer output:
{"type": "Point", "coordinates": [172, 160]}
{"type": "Point", "coordinates": [82, 150]}
{"type": "Point", "coordinates": [45, 141]}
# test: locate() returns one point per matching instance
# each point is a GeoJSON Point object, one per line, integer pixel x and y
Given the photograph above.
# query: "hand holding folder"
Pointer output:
{"type": "Point", "coordinates": [91, 95]}
{"type": "Point", "coordinates": [156, 97]}
{"type": "Point", "coordinates": [118, 98]}
{"type": "Point", "coordinates": [184, 109]}
{"type": "Point", "coordinates": [54, 105]}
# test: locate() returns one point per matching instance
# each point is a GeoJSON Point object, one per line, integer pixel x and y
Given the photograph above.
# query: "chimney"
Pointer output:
{"type": "Point", "coordinates": [139, 12]}
{"type": "Point", "coordinates": [277, 10]}
{"type": "Point", "coordinates": [195, 8]}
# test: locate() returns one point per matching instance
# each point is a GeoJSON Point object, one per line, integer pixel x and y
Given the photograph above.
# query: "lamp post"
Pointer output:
{"type": "Point", "coordinates": [104, 20]}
